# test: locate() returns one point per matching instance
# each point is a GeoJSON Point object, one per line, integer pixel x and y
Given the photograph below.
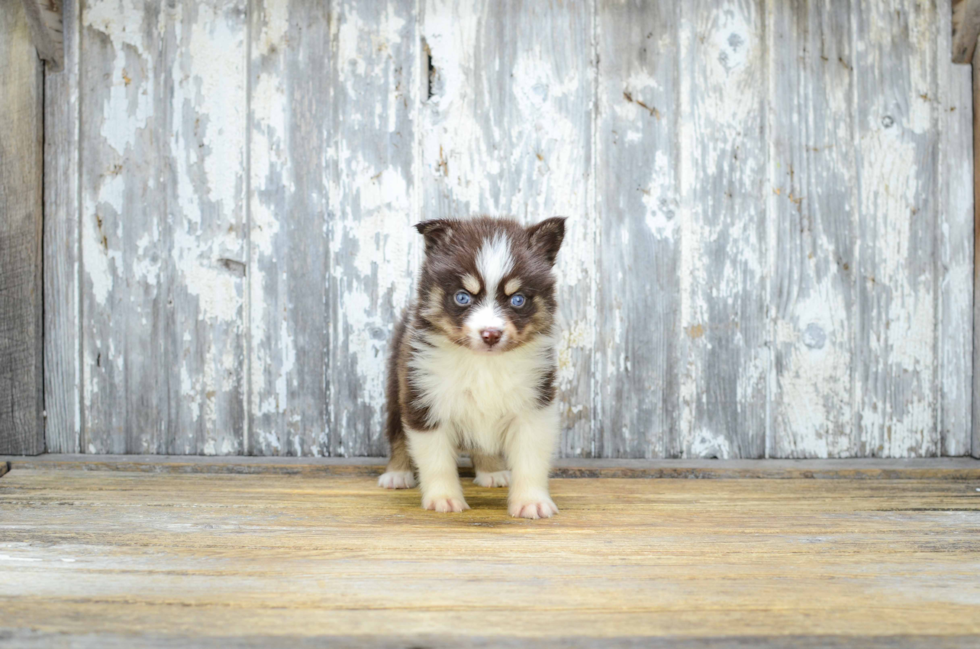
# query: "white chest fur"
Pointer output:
{"type": "Point", "coordinates": [480, 394]}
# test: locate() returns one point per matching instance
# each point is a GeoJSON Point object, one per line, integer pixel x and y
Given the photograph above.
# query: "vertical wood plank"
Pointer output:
{"type": "Point", "coordinates": [507, 130]}
{"type": "Point", "coordinates": [290, 142]}
{"type": "Point", "coordinates": [722, 223]}
{"type": "Point", "coordinates": [163, 119]}
{"type": "Point", "coordinates": [21, 176]}
{"type": "Point", "coordinates": [638, 200]}
{"type": "Point", "coordinates": [813, 222]}
{"type": "Point", "coordinates": [954, 119]}
{"type": "Point", "coordinates": [62, 315]}
{"type": "Point", "coordinates": [123, 328]}
{"type": "Point", "coordinates": [206, 204]}
{"type": "Point", "coordinates": [976, 253]}
{"type": "Point", "coordinates": [898, 199]}
{"type": "Point", "coordinates": [372, 209]}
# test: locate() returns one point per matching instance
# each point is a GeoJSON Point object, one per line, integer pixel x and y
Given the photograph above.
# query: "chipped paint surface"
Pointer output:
{"type": "Point", "coordinates": [769, 246]}
{"type": "Point", "coordinates": [897, 281]}
{"type": "Point", "coordinates": [161, 226]}
{"type": "Point", "coordinates": [722, 173]}
{"type": "Point", "coordinates": [507, 131]}
{"type": "Point", "coordinates": [812, 233]}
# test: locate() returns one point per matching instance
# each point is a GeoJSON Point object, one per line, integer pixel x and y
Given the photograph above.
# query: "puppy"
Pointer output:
{"type": "Point", "coordinates": [473, 365]}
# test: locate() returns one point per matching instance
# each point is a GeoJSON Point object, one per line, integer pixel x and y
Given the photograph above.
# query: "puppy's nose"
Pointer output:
{"type": "Point", "coordinates": [491, 336]}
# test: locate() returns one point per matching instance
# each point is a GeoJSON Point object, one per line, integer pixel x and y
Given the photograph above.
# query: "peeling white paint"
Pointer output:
{"type": "Point", "coordinates": [511, 129]}
{"type": "Point", "coordinates": [508, 132]}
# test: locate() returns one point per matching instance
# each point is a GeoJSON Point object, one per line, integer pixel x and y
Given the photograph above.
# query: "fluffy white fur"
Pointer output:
{"type": "Point", "coordinates": [494, 261]}
{"type": "Point", "coordinates": [397, 480]}
{"type": "Point", "coordinates": [492, 478]}
{"type": "Point", "coordinates": [487, 403]}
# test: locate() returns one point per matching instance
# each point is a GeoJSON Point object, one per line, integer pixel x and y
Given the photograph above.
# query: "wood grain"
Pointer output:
{"type": "Point", "coordinates": [850, 469]}
{"type": "Point", "coordinates": [31, 639]}
{"type": "Point", "coordinates": [507, 130]}
{"type": "Point", "coordinates": [898, 201]}
{"type": "Point", "coordinates": [955, 173]}
{"type": "Point", "coordinates": [21, 195]}
{"type": "Point", "coordinates": [722, 222]}
{"type": "Point", "coordinates": [976, 252]}
{"type": "Point", "coordinates": [333, 101]}
{"type": "Point", "coordinates": [162, 226]}
{"type": "Point", "coordinates": [290, 93]}
{"type": "Point", "coordinates": [62, 303]}
{"type": "Point", "coordinates": [289, 558]}
{"type": "Point", "coordinates": [768, 253]}
{"type": "Point", "coordinates": [813, 230]}
{"type": "Point", "coordinates": [373, 204]}
{"type": "Point", "coordinates": [638, 201]}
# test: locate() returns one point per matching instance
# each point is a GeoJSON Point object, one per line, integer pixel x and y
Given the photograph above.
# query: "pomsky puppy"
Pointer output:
{"type": "Point", "coordinates": [473, 363]}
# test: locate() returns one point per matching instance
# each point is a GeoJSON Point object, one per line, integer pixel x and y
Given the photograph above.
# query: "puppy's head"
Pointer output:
{"type": "Point", "coordinates": [486, 283]}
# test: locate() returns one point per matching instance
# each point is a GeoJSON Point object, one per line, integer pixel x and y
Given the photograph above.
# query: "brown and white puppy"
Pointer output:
{"type": "Point", "coordinates": [473, 365]}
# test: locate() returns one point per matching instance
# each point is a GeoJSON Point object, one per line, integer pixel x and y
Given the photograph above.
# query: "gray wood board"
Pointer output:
{"type": "Point", "coordinates": [976, 253]}
{"type": "Point", "coordinates": [373, 247]}
{"type": "Point", "coordinates": [756, 264]}
{"type": "Point", "coordinates": [813, 228]}
{"type": "Point", "coordinates": [21, 177]}
{"type": "Point", "coordinates": [897, 393]}
{"type": "Point", "coordinates": [638, 197]}
{"type": "Point", "coordinates": [62, 315]}
{"type": "Point", "coordinates": [290, 81]}
{"type": "Point", "coordinates": [507, 130]}
{"type": "Point", "coordinates": [722, 221]}
{"type": "Point", "coordinates": [954, 118]}
{"type": "Point", "coordinates": [162, 226]}
{"type": "Point", "coordinates": [333, 100]}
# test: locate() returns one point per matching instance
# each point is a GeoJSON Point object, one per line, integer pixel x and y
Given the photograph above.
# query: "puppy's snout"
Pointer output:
{"type": "Point", "coordinates": [491, 336]}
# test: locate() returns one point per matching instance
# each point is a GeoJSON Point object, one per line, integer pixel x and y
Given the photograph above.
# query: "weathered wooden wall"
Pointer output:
{"type": "Point", "coordinates": [21, 161]}
{"type": "Point", "coordinates": [770, 249]}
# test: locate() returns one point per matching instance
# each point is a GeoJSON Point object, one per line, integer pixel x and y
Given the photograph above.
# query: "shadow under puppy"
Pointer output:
{"type": "Point", "coordinates": [473, 365]}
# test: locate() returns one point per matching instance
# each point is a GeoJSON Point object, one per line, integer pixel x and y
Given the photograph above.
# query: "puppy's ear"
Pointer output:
{"type": "Point", "coordinates": [546, 237]}
{"type": "Point", "coordinates": [436, 232]}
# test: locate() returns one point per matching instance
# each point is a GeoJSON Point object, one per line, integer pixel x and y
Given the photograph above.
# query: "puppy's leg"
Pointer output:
{"type": "Point", "coordinates": [434, 453]}
{"type": "Point", "coordinates": [398, 474]}
{"type": "Point", "coordinates": [528, 446]}
{"type": "Point", "coordinates": [491, 470]}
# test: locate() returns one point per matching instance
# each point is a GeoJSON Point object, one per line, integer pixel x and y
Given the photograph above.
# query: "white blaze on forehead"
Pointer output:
{"type": "Point", "coordinates": [494, 261]}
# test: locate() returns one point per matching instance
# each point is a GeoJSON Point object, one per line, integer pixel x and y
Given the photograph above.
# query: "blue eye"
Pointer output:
{"type": "Point", "coordinates": [517, 300]}
{"type": "Point", "coordinates": [463, 298]}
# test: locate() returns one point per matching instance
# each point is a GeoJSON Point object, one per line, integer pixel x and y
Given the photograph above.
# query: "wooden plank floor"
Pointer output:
{"type": "Point", "coordinates": [116, 558]}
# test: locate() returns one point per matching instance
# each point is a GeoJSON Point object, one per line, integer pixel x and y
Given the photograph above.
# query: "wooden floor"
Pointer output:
{"type": "Point", "coordinates": [120, 558]}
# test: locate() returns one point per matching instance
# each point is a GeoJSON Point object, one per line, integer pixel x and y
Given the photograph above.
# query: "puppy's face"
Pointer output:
{"type": "Point", "coordinates": [487, 283]}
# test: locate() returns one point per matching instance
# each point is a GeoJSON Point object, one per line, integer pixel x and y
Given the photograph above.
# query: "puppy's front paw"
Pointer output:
{"type": "Point", "coordinates": [542, 507]}
{"type": "Point", "coordinates": [397, 480]}
{"type": "Point", "coordinates": [492, 478]}
{"type": "Point", "coordinates": [444, 504]}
